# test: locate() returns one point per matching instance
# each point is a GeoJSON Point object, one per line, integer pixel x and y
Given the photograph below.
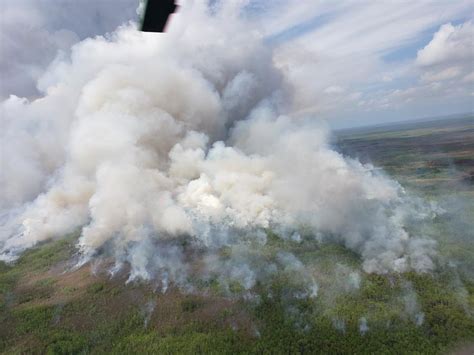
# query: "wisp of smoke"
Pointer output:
{"type": "Point", "coordinates": [166, 150]}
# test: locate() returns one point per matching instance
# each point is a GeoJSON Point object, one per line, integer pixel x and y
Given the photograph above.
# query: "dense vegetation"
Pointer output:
{"type": "Point", "coordinates": [46, 310]}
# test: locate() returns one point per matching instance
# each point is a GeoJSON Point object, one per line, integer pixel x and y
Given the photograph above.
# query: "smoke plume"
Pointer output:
{"type": "Point", "coordinates": [175, 155]}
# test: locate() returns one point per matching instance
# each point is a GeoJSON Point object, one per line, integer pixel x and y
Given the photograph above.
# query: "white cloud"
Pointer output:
{"type": "Point", "coordinates": [443, 69]}
{"type": "Point", "coordinates": [348, 48]}
{"type": "Point", "coordinates": [449, 56]}
{"type": "Point", "coordinates": [444, 74]}
{"type": "Point", "coordinates": [449, 44]}
{"type": "Point", "coordinates": [334, 89]}
{"type": "Point", "coordinates": [469, 77]}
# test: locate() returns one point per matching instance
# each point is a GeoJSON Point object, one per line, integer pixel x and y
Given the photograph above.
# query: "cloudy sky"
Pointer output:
{"type": "Point", "coordinates": [350, 62]}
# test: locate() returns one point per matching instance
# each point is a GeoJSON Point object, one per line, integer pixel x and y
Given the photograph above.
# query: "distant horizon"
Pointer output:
{"type": "Point", "coordinates": [412, 120]}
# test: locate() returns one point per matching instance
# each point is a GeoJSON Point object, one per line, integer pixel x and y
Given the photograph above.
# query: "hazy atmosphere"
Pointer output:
{"type": "Point", "coordinates": [203, 161]}
{"type": "Point", "coordinates": [212, 150]}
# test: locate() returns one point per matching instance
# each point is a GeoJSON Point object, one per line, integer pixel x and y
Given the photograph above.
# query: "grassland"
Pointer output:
{"type": "Point", "coordinates": [48, 307]}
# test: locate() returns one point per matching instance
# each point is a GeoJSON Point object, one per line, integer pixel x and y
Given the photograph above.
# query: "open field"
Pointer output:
{"type": "Point", "coordinates": [47, 306]}
{"type": "Point", "coordinates": [428, 156]}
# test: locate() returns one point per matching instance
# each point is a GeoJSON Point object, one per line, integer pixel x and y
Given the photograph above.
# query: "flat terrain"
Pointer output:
{"type": "Point", "coordinates": [46, 306]}
{"type": "Point", "coordinates": [433, 160]}
{"type": "Point", "coordinates": [431, 157]}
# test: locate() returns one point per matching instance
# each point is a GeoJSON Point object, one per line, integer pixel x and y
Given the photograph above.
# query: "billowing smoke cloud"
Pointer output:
{"type": "Point", "coordinates": [170, 151]}
{"type": "Point", "coordinates": [33, 32]}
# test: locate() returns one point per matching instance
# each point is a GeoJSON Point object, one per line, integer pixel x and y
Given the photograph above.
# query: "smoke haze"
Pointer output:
{"type": "Point", "coordinates": [168, 150]}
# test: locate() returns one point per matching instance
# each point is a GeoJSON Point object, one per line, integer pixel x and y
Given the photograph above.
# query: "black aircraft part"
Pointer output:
{"type": "Point", "coordinates": [156, 15]}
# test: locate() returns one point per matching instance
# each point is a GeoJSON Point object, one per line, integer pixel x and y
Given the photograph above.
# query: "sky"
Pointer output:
{"type": "Point", "coordinates": [351, 63]}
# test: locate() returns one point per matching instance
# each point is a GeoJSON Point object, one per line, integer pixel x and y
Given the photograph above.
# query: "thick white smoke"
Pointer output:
{"type": "Point", "coordinates": [154, 145]}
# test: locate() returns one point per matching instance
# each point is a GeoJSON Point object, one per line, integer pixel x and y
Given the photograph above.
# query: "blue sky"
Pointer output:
{"type": "Point", "coordinates": [349, 62]}
{"type": "Point", "coordinates": [372, 62]}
